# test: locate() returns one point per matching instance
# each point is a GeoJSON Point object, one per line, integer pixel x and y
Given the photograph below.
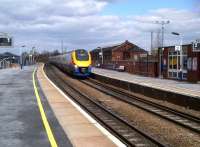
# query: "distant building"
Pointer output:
{"type": "Point", "coordinates": [128, 55]}
{"type": "Point", "coordinates": [118, 52]}
{"type": "Point", "coordinates": [8, 60]}
{"type": "Point", "coordinates": [9, 57]}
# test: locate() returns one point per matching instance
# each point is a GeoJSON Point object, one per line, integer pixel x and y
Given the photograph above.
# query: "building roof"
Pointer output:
{"type": "Point", "coordinates": [7, 55]}
{"type": "Point", "coordinates": [116, 46]}
{"type": "Point", "coordinates": [173, 46]}
{"type": "Point", "coordinates": [137, 49]}
{"type": "Point", "coordinates": [105, 48]}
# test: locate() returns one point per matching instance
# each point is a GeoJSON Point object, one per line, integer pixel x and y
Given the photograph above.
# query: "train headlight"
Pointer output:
{"type": "Point", "coordinates": [76, 66]}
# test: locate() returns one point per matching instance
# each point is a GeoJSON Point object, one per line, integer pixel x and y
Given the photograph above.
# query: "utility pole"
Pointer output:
{"type": "Point", "coordinates": [62, 46]}
{"type": "Point", "coordinates": [151, 41]}
{"type": "Point", "coordinates": [162, 23]}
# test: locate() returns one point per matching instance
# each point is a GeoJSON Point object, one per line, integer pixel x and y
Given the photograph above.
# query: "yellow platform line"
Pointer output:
{"type": "Point", "coordinates": [44, 118]}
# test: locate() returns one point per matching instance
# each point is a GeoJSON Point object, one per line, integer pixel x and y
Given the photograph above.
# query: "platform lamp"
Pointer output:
{"type": "Point", "coordinates": [33, 53]}
{"type": "Point", "coordinates": [181, 52]}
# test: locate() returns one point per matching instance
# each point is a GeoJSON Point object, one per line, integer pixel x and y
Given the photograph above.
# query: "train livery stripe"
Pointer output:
{"type": "Point", "coordinates": [43, 116]}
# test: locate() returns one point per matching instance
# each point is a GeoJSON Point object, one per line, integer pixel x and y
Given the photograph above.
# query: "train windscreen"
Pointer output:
{"type": "Point", "coordinates": [82, 55]}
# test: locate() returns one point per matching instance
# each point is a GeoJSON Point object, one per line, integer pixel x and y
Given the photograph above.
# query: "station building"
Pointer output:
{"type": "Point", "coordinates": [179, 64]}
{"type": "Point", "coordinates": [135, 59]}
{"type": "Point", "coordinates": [169, 62]}
{"type": "Point", "coordinates": [118, 52]}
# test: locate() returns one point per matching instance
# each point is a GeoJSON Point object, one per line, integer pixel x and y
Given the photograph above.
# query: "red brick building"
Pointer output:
{"type": "Point", "coordinates": [119, 52]}
{"type": "Point", "coordinates": [186, 69]}
{"type": "Point", "coordinates": [135, 59]}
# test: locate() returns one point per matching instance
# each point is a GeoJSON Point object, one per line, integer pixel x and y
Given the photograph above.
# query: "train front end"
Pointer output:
{"type": "Point", "coordinates": [82, 63]}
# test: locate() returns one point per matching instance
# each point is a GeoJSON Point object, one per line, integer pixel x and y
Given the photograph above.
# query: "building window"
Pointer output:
{"type": "Point", "coordinates": [126, 55]}
{"type": "Point", "coordinates": [174, 64]}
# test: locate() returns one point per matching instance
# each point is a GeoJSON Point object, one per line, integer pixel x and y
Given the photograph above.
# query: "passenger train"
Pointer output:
{"type": "Point", "coordinates": [76, 62]}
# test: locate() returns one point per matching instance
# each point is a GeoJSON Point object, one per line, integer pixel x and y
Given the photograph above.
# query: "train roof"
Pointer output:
{"type": "Point", "coordinates": [68, 53]}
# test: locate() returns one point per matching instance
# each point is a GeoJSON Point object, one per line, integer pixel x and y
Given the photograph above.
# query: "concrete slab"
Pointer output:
{"type": "Point", "coordinates": [97, 141]}
{"type": "Point", "coordinates": [180, 87]}
{"type": "Point", "coordinates": [20, 119]}
{"type": "Point", "coordinates": [80, 130]}
{"type": "Point", "coordinates": [74, 120]}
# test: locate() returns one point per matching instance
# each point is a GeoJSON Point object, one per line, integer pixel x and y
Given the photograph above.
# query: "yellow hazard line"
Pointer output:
{"type": "Point", "coordinates": [44, 118]}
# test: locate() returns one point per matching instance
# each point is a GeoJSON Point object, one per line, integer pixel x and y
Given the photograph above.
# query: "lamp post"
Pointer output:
{"type": "Point", "coordinates": [21, 61]}
{"type": "Point", "coordinates": [101, 54]}
{"type": "Point", "coordinates": [162, 23]}
{"type": "Point", "coordinates": [181, 53]}
{"type": "Point", "coordinates": [32, 53]}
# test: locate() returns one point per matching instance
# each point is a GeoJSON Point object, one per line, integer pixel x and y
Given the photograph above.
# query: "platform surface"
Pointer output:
{"type": "Point", "coordinates": [181, 87]}
{"type": "Point", "coordinates": [81, 131]}
{"type": "Point", "coordinates": [20, 119]}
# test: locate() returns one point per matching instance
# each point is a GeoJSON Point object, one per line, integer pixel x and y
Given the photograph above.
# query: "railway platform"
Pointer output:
{"type": "Point", "coordinates": [20, 114]}
{"type": "Point", "coordinates": [34, 112]}
{"type": "Point", "coordinates": [80, 127]}
{"type": "Point", "coordinates": [176, 91]}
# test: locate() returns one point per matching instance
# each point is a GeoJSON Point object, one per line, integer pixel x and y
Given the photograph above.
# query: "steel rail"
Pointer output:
{"type": "Point", "coordinates": [100, 112]}
{"type": "Point", "coordinates": [183, 119]}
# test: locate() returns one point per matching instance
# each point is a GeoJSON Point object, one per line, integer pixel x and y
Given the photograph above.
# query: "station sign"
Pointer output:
{"type": "Point", "coordinates": [177, 48]}
{"type": "Point", "coordinates": [6, 41]}
{"type": "Point", "coordinates": [196, 46]}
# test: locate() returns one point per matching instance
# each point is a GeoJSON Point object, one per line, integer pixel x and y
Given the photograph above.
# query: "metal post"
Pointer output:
{"type": "Point", "coordinates": [147, 64]}
{"type": "Point", "coordinates": [33, 57]}
{"type": "Point", "coordinates": [62, 46]}
{"type": "Point", "coordinates": [160, 57]}
{"type": "Point", "coordinates": [102, 56]}
{"type": "Point", "coordinates": [162, 34]}
{"type": "Point", "coordinates": [151, 41]}
{"type": "Point", "coordinates": [21, 57]}
{"type": "Point", "coordinates": [160, 52]}
{"type": "Point", "coordinates": [181, 57]}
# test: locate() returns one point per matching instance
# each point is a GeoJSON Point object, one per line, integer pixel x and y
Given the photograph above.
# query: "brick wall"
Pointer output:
{"type": "Point", "coordinates": [194, 75]}
{"type": "Point", "coordinates": [139, 68]}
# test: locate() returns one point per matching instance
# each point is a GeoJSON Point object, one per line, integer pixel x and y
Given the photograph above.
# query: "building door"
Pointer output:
{"type": "Point", "coordinates": [174, 65]}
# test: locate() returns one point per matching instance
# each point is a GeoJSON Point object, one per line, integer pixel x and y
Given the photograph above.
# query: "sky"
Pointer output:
{"type": "Point", "coordinates": [88, 24]}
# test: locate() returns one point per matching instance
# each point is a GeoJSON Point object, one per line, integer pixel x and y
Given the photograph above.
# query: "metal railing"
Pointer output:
{"type": "Point", "coordinates": [4, 63]}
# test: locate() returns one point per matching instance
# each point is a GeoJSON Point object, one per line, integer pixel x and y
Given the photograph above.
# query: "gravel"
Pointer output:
{"type": "Point", "coordinates": [161, 129]}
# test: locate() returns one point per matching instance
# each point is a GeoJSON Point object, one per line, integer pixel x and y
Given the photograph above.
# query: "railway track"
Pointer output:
{"type": "Point", "coordinates": [115, 123]}
{"type": "Point", "coordinates": [188, 121]}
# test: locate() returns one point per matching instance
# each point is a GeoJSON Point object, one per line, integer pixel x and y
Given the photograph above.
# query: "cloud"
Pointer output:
{"type": "Point", "coordinates": [79, 24]}
{"type": "Point", "coordinates": [185, 22]}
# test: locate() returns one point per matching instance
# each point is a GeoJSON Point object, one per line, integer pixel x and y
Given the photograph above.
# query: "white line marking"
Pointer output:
{"type": "Point", "coordinates": [93, 121]}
